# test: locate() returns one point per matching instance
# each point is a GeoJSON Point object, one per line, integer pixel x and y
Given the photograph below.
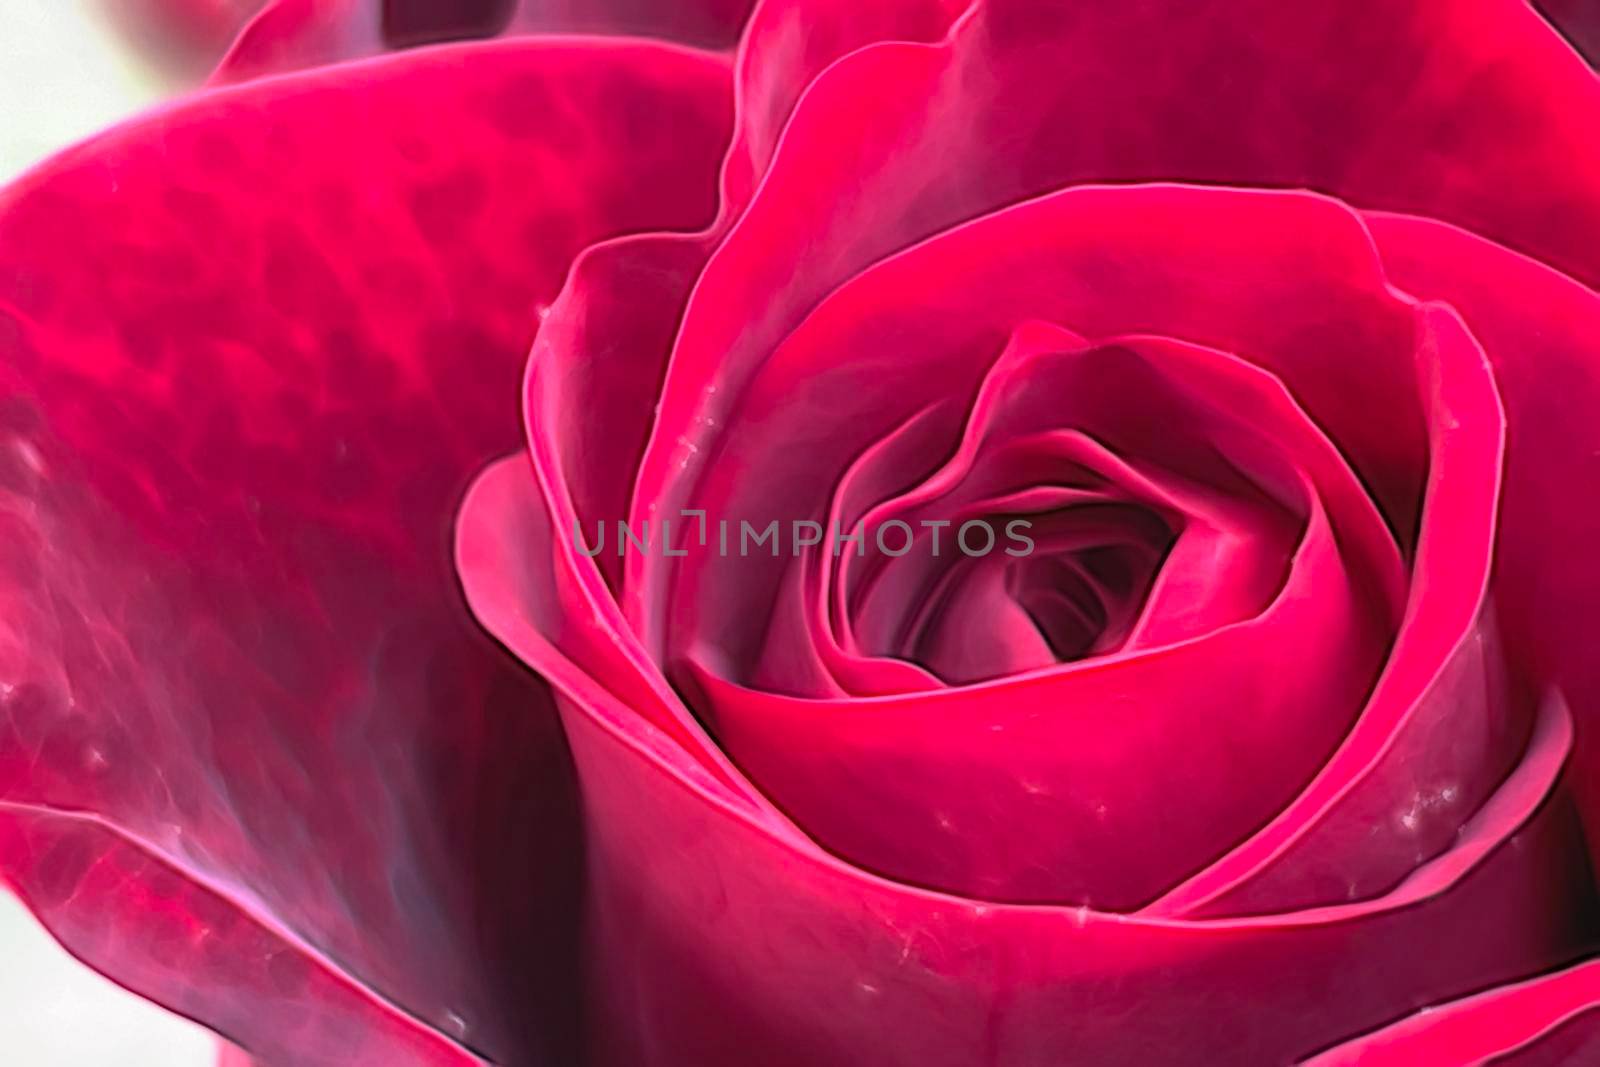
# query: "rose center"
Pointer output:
{"type": "Point", "coordinates": [1013, 591]}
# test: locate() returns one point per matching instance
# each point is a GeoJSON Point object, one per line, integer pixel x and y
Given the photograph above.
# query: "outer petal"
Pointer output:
{"type": "Point", "coordinates": [1552, 1020]}
{"type": "Point", "coordinates": [822, 964]}
{"type": "Point", "coordinates": [787, 43]}
{"type": "Point", "coordinates": [251, 349]}
{"type": "Point", "coordinates": [292, 34]}
{"type": "Point", "coordinates": [152, 926]}
{"type": "Point", "coordinates": [1539, 328]}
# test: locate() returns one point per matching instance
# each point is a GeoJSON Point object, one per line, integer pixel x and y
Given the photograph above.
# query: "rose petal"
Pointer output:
{"type": "Point", "coordinates": [787, 43]}
{"type": "Point", "coordinates": [1495, 60]}
{"type": "Point", "coordinates": [815, 962]}
{"type": "Point", "coordinates": [1538, 328]}
{"type": "Point", "coordinates": [1546, 1020]}
{"type": "Point", "coordinates": [1444, 723]}
{"type": "Point", "coordinates": [253, 348]}
{"type": "Point", "coordinates": [152, 926]}
{"type": "Point", "coordinates": [821, 392]}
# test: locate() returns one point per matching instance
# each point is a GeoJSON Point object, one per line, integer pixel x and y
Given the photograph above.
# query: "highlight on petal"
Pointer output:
{"type": "Point", "coordinates": [256, 760]}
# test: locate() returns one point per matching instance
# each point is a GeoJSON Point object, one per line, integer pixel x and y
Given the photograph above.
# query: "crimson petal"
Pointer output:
{"type": "Point", "coordinates": [1552, 1019]}
{"type": "Point", "coordinates": [1543, 346]}
{"type": "Point", "coordinates": [253, 348]}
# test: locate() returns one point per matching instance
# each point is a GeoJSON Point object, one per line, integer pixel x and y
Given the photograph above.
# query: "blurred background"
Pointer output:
{"type": "Point", "coordinates": [64, 73]}
{"type": "Point", "coordinates": [67, 70]}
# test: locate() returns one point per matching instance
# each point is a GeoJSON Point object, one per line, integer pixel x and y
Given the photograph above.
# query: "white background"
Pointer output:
{"type": "Point", "coordinates": [63, 76]}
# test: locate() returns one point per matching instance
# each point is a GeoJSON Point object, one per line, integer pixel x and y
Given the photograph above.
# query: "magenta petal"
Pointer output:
{"type": "Point", "coordinates": [1538, 329]}
{"type": "Point", "coordinates": [522, 592]}
{"type": "Point", "coordinates": [1230, 269]}
{"type": "Point", "coordinates": [1169, 408]}
{"type": "Point", "coordinates": [787, 43]}
{"type": "Point", "coordinates": [602, 351]}
{"type": "Point", "coordinates": [1445, 721]}
{"type": "Point", "coordinates": [252, 349]}
{"type": "Point", "coordinates": [1227, 268]}
{"type": "Point", "coordinates": [114, 902]}
{"type": "Point", "coordinates": [1549, 1020]}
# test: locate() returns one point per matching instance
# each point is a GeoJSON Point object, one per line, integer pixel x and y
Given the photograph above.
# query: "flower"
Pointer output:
{"type": "Point", "coordinates": [1244, 713]}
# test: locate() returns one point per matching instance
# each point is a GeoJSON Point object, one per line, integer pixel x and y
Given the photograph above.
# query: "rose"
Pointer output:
{"type": "Point", "coordinates": [972, 331]}
{"type": "Point", "coordinates": [1319, 751]}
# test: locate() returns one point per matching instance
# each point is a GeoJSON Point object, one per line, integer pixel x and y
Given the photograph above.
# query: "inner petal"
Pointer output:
{"type": "Point", "coordinates": [1072, 531]}
{"type": "Point", "coordinates": [1065, 603]}
{"type": "Point", "coordinates": [1052, 586]}
{"type": "Point", "coordinates": [1023, 734]}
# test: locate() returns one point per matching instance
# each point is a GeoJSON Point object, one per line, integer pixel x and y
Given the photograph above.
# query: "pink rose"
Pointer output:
{"type": "Point", "coordinates": [1044, 533]}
